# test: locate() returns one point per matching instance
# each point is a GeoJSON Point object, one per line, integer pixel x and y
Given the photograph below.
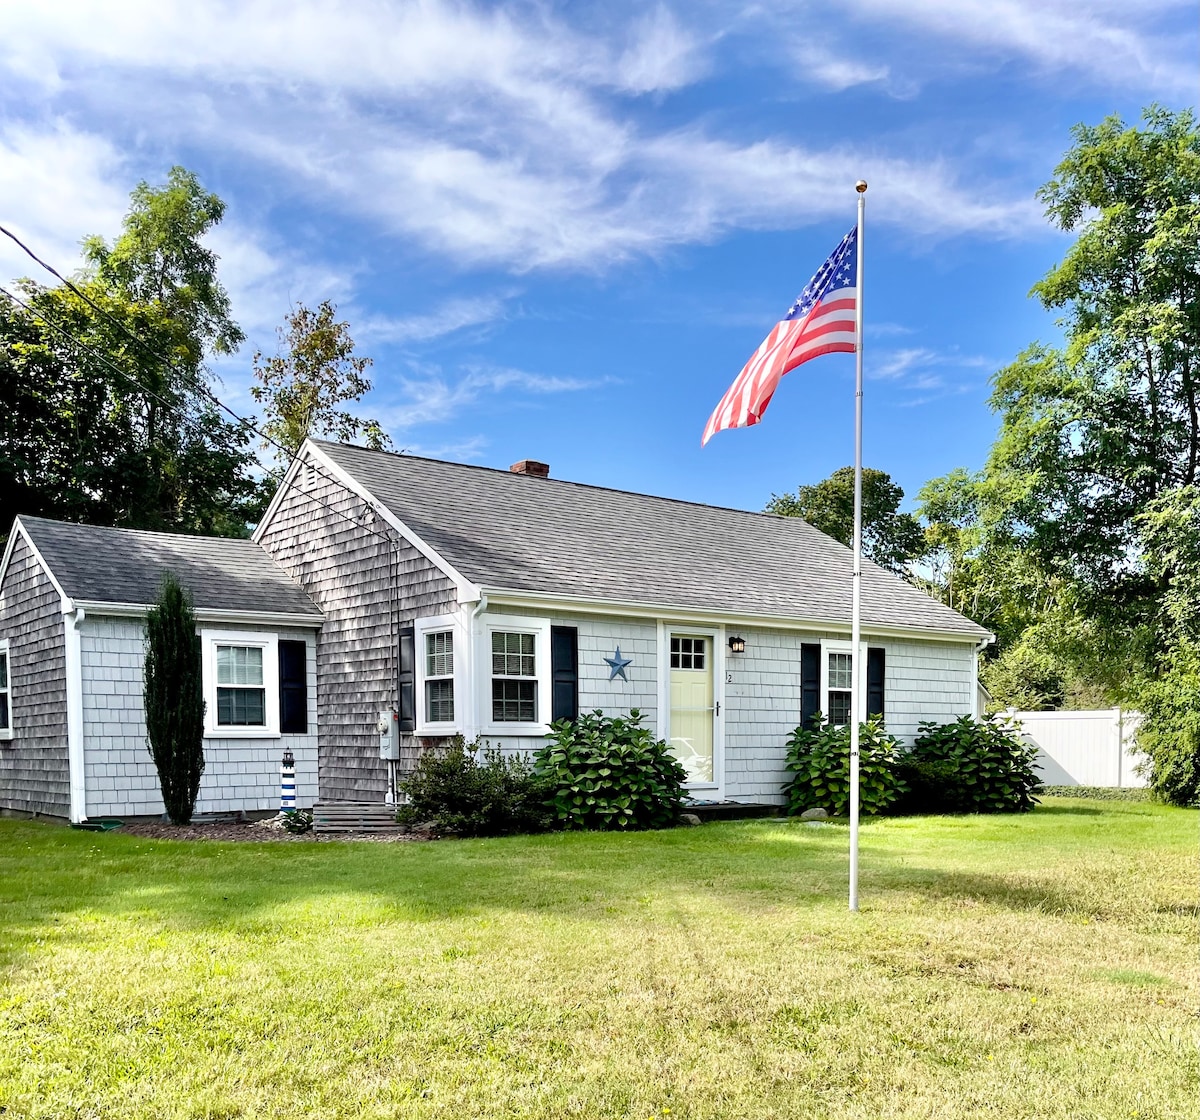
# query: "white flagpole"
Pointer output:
{"type": "Point", "coordinates": [855, 623]}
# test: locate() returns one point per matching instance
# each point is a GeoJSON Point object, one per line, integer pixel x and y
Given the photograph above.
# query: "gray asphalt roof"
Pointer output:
{"type": "Point", "coordinates": [516, 532]}
{"type": "Point", "coordinates": [100, 564]}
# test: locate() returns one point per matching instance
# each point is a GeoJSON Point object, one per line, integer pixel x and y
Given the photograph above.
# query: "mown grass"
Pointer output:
{"type": "Point", "coordinates": [1042, 966]}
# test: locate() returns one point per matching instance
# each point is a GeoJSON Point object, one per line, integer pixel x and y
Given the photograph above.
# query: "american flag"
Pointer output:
{"type": "Point", "coordinates": [821, 321]}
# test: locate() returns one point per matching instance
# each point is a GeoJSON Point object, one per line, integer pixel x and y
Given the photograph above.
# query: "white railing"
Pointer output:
{"type": "Point", "coordinates": [1096, 748]}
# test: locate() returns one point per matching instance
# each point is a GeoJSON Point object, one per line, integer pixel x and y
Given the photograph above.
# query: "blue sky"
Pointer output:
{"type": "Point", "coordinates": [561, 229]}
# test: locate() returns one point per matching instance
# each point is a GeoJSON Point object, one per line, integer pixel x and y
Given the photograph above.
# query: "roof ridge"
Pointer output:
{"type": "Point", "coordinates": [572, 482]}
{"type": "Point", "coordinates": [25, 518]}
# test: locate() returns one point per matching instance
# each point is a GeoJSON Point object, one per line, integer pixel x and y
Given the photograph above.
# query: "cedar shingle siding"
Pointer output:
{"type": "Point", "coordinates": [34, 774]}
{"type": "Point", "coordinates": [349, 570]}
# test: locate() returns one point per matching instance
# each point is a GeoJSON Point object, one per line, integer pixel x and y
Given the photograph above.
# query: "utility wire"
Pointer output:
{"type": "Point", "coordinates": [131, 380]}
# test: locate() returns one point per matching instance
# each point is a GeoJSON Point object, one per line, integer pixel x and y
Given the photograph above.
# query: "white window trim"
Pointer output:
{"type": "Point", "coordinates": [6, 733]}
{"type": "Point", "coordinates": [829, 646]}
{"type": "Point", "coordinates": [269, 643]}
{"type": "Point", "coordinates": [512, 624]}
{"type": "Point", "coordinates": [717, 636]}
{"type": "Point", "coordinates": [436, 625]}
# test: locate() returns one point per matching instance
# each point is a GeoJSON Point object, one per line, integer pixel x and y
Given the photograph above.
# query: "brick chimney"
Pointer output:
{"type": "Point", "coordinates": [531, 466]}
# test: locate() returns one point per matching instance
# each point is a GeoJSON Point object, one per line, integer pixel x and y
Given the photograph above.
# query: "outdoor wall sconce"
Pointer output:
{"type": "Point", "coordinates": [737, 645]}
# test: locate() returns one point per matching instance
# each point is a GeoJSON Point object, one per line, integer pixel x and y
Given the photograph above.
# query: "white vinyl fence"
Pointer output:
{"type": "Point", "coordinates": [1084, 748]}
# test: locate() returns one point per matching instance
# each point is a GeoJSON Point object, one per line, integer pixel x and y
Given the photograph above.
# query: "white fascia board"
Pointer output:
{"type": "Point", "coordinates": [468, 592]}
{"type": "Point", "coordinates": [207, 614]}
{"type": "Point", "coordinates": [289, 479]}
{"type": "Point", "coordinates": [545, 601]}
{"type": "Point", "coordinates": [20, 530]}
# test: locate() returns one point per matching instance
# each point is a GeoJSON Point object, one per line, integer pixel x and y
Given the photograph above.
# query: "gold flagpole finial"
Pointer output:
{"type": "Point", "coordinates": [861, 186]}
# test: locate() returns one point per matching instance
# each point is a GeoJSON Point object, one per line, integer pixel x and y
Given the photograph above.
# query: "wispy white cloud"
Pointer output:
{"type": "Point", "coordinates": [447, 318]}
{"type": "Point", "coordinates": [926, 373]}
{"type": "Point", "coordinates": [431, 397]}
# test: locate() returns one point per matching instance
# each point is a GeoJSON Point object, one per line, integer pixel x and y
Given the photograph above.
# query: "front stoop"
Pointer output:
{"type": "Point", "coordinates": [354, 816]}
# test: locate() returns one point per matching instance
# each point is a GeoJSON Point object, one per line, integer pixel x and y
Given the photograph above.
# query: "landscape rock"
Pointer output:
{"type": "Point", "coordinates": [814, 815]}
{"type": "Point", "coordinates": [689, 819]}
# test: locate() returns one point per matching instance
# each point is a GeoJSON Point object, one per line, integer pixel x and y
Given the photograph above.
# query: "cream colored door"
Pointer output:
{"type": "Point", "coordinates": [692, 705]}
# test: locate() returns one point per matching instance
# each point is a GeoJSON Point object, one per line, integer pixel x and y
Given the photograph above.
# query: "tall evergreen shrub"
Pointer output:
{"type": "Point", "coordinates": [174, 699]}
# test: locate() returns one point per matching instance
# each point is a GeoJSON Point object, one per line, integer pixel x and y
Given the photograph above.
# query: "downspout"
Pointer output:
{"type": "Point", "coordinates": [472, 667]}
{"type": "Point", "coordinates": [73, 617]}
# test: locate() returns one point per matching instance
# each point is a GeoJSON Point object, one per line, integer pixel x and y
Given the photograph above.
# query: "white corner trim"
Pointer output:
{"type": "Point", "coordinates": [73, 665]}
{"type": "Point", "coordinates": [19, 529]}
{"type": "Point", "coordinates": [467, 591]}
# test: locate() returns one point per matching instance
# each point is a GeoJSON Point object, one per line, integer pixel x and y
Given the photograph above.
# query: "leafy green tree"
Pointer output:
{"type": "Point", "coordinates": [315, 372]}
{"type": "Point", "coordinates": [1095, 431]}
{"type": "Point", "coordinates": [174, 699]}
{"type": "Point", "coordinates": [1168, 692]}
{"type": "Point", "coordinates": [103, 427]}
{"type": "Point", "coordinates": [890, 538]}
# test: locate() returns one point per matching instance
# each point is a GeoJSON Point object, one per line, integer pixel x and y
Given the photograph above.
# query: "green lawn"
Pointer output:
{"type": "Point", "coordinates": [1021, 966]}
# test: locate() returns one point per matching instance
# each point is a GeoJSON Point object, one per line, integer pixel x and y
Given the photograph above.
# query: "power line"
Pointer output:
{"type": "Point", "coordinates": [185, 419]}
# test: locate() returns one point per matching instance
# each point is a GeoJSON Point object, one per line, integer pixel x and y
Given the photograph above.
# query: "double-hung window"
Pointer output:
{"type": "Point", "coordinates": [514, 677]}
{"type": "Point", "coordinates": [241, 687]}
{"type": "Point", "coordinates": [241, 683]}
{"type": "Point", "coordinates": [5, 693]}
{"type": "Point", "coordinates": [840, 670]}
{"type": "Point", "coordinates": [439, 676]}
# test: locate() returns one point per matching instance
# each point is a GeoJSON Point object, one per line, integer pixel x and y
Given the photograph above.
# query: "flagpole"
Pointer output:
{"type": "Point", "coordinates": [855, 611]}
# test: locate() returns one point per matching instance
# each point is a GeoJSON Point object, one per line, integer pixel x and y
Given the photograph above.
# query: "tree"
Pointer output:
{"type": "Point", "coordinates": [889, 538]}
{"type": "Point", "coordinates": [174, 699]}
{"type": "Point", "coordinates": [315, 372]}
{"type": "Point", "coordinates": [105, 416]}
{"type": "Point", "coordinates": [1093, 432]}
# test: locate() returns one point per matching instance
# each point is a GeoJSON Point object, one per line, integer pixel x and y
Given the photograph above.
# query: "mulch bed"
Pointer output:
{"type": "Point", "coordinates": [250, 831]}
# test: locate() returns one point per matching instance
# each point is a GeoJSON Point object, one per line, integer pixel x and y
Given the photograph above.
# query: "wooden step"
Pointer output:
{"type": "Point", "coordinates": [354, 816]}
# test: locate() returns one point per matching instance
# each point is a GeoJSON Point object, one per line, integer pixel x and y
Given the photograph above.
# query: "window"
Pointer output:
{"type": "Point", "coordinates": [439, 677]}
{"type": "Point", "coordinates": [841, 680]}
{"type": "Point", "coordinates": [241, 684]}
{"type": "Point", "coordinates": [241, 693]}
{"type": "Point", "coordinates": [514, 677]}
{"type": "Point", "coordinates": [688, 653]}
{"type": "Point", "coordinates": [5, 694]}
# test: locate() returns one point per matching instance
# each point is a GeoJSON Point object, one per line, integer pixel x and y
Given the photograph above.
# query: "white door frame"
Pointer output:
{"type": "Point", "coordinates": [716, 633]}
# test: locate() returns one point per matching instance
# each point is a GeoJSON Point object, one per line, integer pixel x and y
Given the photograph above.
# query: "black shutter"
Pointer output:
{"type": "Point", "coordinates": [406, 681]}
{"type": "Point", "coordinates": [810, 684]}
{"type": "Point", "coordinates": [875, 672]}
{"type": "Point", "coordinates": [564, 670]}
{"type": "Point", "coordinates": [293, 688]}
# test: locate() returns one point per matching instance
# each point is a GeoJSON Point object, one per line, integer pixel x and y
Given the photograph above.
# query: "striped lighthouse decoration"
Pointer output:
{"type": "Point", "coordinates": [287, 782]}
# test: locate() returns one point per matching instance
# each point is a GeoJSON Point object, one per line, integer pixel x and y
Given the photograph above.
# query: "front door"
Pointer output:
{"type": "Point", "coordinates": [692, 705]}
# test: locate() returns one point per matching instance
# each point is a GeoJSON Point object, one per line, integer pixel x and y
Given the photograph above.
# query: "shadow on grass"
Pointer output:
{"type": "Point", "coordinates": [48, 874]}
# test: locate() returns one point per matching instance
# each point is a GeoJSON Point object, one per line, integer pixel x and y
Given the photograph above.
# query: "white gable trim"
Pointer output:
{"type": "Point", "coordinates": [20, 530]}
{"type": "Point", "coordinates": [467, 591]}
{"type": "Point", "coordinates": [546, 601]}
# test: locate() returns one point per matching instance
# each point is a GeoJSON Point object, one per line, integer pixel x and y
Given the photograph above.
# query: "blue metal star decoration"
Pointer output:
{"type": "Point", "coordinates": [616, 665]}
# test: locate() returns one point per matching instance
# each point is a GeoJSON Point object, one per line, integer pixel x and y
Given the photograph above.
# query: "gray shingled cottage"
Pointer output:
{"type": "Point", "coordinates": [388, 601]}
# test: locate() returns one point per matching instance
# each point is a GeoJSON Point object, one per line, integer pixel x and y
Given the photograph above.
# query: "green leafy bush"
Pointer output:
{"type": "Point", "coordinates": [297, 821]}
{"type": "Point", "coordinates": [819, 759]}
{"type": "Point", "coordinates": [1169, 733]}
{"type": "Point", "coordinates": [970, 766]}
{"type": "Point", "coordinates": [463, 795]}
{"type": "Point", "coordinates": [608, 772]}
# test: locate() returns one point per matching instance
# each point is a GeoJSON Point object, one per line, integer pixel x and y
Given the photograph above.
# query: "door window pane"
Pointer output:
{"type": "Point", "coordinates": [688, 653]}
